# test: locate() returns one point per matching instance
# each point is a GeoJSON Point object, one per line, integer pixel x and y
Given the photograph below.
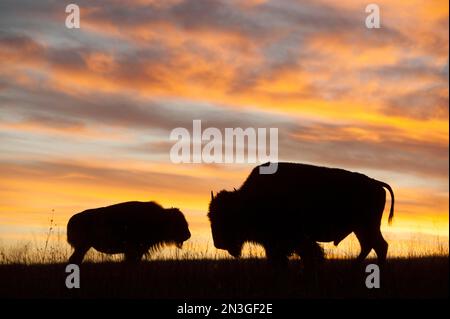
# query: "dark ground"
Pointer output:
{"type": "Point", "coordinates": [250, 278]}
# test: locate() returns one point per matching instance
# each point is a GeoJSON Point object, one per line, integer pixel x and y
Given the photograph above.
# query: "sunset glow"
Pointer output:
{"type": "Point", "coordinates": [86, 113]}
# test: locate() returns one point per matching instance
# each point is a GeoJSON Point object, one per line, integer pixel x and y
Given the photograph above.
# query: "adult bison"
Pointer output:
{"type": "Point", "coordinates": [299, 205]}
{"type": "Point", "coordinates": [131, 228]}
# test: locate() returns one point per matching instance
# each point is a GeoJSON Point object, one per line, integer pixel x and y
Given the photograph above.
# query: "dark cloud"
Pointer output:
{"type": "Point", "coordinates": [214, 15]}
{"type": "Point", "coordinates": [127, 111]}
{"type": "Point", "coordinates": [52, 121]}
{"type": "Point", "coordinates": [266, 20]}
{"type": "Point", "coordinates": [407, 70]}
{"type": "Point", "coordinates": [276, 33]}
{"type": "Point", "coordinates": [277, 30]}
{"type": "Point", "coordinates": [424, 104]}
{"type": "Point", "coordinates": [425, 82]}
{"type": "Point", "coordinates": [80, 172]}
{"type": "Point", "coordinates": [19, 47]}
{"type": "Point", "coordinates": [333, 145]}
{"type": "Point", "coordinates": [24, 49]}
{"type": "Point", "coordinates": [336, 145]}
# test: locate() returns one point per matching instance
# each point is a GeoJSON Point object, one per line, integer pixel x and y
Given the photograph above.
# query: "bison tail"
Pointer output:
{"type": "Point", "coordinates": [391, 213]}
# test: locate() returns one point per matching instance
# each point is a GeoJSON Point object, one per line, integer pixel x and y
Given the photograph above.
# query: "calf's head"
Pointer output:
{"type": "Point", "coordinates": [177, 230]}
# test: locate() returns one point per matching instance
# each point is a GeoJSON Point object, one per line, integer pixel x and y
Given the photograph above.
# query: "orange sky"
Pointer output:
{"type": "Point", "coordinates": [86, 113]}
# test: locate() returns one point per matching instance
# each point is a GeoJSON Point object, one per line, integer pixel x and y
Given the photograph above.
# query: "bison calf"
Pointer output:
{"type": "Point", "coordinates": [131, 228]}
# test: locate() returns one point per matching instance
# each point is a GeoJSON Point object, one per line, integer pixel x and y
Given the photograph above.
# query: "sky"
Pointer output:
{"type": "Point", "coordinates": [86, 114]}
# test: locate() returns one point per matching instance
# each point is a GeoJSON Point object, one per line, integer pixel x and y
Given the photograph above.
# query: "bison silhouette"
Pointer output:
{"type": "Point", "coordinates": [131, 228]}
{"type": "Point", "coordinates": [299, 205]}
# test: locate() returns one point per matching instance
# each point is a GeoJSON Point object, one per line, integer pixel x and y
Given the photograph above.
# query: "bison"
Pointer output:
{"type": "Point", "coordinates": [131, 228]}
{"type": "Point", "coordinates": [299, 205]}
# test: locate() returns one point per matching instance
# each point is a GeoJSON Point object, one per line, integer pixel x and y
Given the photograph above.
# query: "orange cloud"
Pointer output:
{"type": "Point", "coordinates": [85, 115]}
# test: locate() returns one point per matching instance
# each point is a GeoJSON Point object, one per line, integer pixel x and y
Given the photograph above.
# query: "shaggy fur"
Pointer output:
{"type": "Point", "coordinates": [296, 207]}
{"type": "Point", "coordinates": [132, 228]}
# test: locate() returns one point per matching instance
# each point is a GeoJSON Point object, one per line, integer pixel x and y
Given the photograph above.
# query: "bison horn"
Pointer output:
{"type": "Point", "coordinates": [234, 188]}
{"type": "Point", "coordinates": [212, 195]}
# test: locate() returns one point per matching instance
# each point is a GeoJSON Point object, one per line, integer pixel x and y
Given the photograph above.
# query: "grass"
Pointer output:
{"type": "Point", "coordinates": [225, 278]}
{"type": "Point", "coordinates": [30, 270]}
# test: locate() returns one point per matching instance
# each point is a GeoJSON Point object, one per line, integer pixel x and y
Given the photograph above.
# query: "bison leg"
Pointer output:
{"type": "Point", "coordinates": [78, 255]}
{"type": "Point", "coordinates": [134, 255]}
{"type": "Point", "coordinates": [381, 247]}
{"type": "Point", "coordinates": [369, 239]}
{"type": "Point", "coordinates": [311, 253]}
{"type": "Point", "coordinates": [365, 241]}
{"type": "Point", "coordinates": [276, 256]}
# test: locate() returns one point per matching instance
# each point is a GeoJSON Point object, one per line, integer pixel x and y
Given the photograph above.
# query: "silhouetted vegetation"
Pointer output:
{"type": "Point", "coordinates": [225, 278]}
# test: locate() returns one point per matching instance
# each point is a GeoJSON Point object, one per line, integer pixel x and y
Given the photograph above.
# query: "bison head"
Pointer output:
{"type": "Point", "coordinates": [178, 230]}
{"type": "Point", "coordinates": [223, 211]}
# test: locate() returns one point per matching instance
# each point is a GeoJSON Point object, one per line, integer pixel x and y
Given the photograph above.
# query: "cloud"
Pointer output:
{"type": "Point", "coordinates": [366, 147]}
{"type": "Point", "coordinates": [340, 94]}
{"type": "Point", "coordinates": [276, 52]}
{"type": "Point", "coordinates": [424, 103]}
{"type": "Point", "coordinates": [360, 145]}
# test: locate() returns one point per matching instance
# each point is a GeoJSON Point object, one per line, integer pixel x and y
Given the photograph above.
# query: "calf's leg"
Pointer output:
{"type": "Point", "coordinates": [311, 253]}
{"type": "Point", "coordinates": [276, 256]}
{"type": "Point", "coordinates": [134, 255]}
{"type": "Point", "coordinates": [78, 255]}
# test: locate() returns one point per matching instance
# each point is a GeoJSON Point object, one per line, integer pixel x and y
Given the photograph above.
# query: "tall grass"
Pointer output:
{"type": "Point", "coordinates": [54, 249]}
{"type": "Point", "coordinates": [57, 251]}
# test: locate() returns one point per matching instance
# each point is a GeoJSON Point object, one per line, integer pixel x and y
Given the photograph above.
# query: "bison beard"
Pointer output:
{"type": "Point", "coordinates": [291, 210]}
{"type": "Point", "coordinates": [132, 228]}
